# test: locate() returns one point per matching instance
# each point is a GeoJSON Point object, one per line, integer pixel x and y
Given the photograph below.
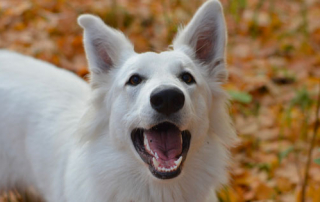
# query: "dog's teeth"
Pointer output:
{"type": "Point", "coordinates": [163, 169]}
{"type": "Point", "coordinates": [156, 165]}
{"type": "Point", "coordinates": [145, 140]}
{"type": "Point", "coordinates": [178, 162]}
{"type": "Point", "coordinates": [156, 155]}
{"type": "Point", "coordinates": [155, 162]}
{"type": "Point", "coordinates": [146, 144]}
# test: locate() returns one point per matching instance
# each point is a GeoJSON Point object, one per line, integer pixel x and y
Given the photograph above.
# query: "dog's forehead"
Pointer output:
{"type": "Point", "coordinates": [167, 61]}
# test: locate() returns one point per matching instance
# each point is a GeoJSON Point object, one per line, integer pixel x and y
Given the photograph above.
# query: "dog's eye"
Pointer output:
{"type": "Point", "coordinates": [187, 78]}
{"type": "Point", "coordinates": [134, 80]}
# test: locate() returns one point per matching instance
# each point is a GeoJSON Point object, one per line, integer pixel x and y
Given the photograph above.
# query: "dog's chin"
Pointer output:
{"type": "Point", "coordinates": [163, 147]}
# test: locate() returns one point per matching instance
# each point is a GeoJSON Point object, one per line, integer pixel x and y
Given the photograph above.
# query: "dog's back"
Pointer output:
{"type": "Point", "coordinates": [35, 97]}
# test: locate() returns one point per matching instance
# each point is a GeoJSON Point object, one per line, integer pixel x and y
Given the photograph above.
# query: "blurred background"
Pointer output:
{"type": "Point", "coordinates": [274, 65]}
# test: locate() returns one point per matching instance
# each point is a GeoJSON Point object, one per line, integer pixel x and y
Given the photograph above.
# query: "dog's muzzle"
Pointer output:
{"type": "Point", "coordinates": [164, 146]}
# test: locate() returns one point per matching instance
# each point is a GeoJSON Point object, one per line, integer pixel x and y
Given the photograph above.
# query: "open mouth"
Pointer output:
{"type": "Point", "coordinates": [163, 147]}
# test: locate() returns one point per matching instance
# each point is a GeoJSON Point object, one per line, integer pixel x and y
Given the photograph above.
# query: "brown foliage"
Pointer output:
{"type": "Point", "coordinates": [274, 64]}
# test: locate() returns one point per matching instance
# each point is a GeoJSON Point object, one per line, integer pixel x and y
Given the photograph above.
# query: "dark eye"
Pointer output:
{"type": "Point", "coordinates": [134, 80]}
{"type": "Point", "coordinates": [187, 78]}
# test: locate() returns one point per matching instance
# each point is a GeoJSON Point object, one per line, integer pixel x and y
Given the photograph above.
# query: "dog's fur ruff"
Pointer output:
{"type": "Point", "coordinates": [71, 141]}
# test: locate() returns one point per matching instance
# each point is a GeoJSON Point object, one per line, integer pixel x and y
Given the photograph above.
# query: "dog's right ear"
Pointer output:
{"type": "Point", "coordinates": [204, 39]}
{"type": "Point", "coordinates": [105, 47]}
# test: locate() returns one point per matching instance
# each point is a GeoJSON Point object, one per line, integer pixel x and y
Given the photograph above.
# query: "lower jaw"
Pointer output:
{"type": "Point", "coordinates": [165, 175]}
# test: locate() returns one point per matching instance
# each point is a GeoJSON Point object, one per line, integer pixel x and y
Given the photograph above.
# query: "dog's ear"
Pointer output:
{"type": "Point", "coordinates": [204, 39]}
{"type": "Point", "coordinates": [105, 47]}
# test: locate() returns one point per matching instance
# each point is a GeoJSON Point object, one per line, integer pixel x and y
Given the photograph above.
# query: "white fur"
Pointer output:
{"type": "Point", "coordinates": [71, 141]}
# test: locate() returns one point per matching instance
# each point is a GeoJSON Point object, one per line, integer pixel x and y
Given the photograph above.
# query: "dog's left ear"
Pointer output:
{"type": "Point", "coordinates": [105, 47]}
{"type": "Point", "coordinates": [204, 39]}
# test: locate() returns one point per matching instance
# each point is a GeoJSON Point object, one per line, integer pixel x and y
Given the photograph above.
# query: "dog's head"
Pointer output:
{"type": "Point", "coordinates": [164, 105]}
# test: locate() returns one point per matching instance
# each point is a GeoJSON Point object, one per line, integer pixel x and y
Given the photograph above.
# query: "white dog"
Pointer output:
{"type": "Point", "coordinates": [149, 127]}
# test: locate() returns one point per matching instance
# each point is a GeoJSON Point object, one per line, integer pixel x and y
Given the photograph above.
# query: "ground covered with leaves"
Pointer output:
{"type": "Point", "coordinates": [274, 65]}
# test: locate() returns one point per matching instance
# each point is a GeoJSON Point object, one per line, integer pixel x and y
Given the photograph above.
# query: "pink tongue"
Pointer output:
{"type": "Point", "coordinates": [166, 143]}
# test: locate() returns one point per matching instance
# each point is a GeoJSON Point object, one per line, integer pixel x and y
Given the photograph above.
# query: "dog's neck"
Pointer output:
{"type": "Point", "coordinates": [134, 182]}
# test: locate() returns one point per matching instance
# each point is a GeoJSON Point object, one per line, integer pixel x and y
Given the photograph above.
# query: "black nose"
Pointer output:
{"type": "Point", "coordinates": [167, 101]}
